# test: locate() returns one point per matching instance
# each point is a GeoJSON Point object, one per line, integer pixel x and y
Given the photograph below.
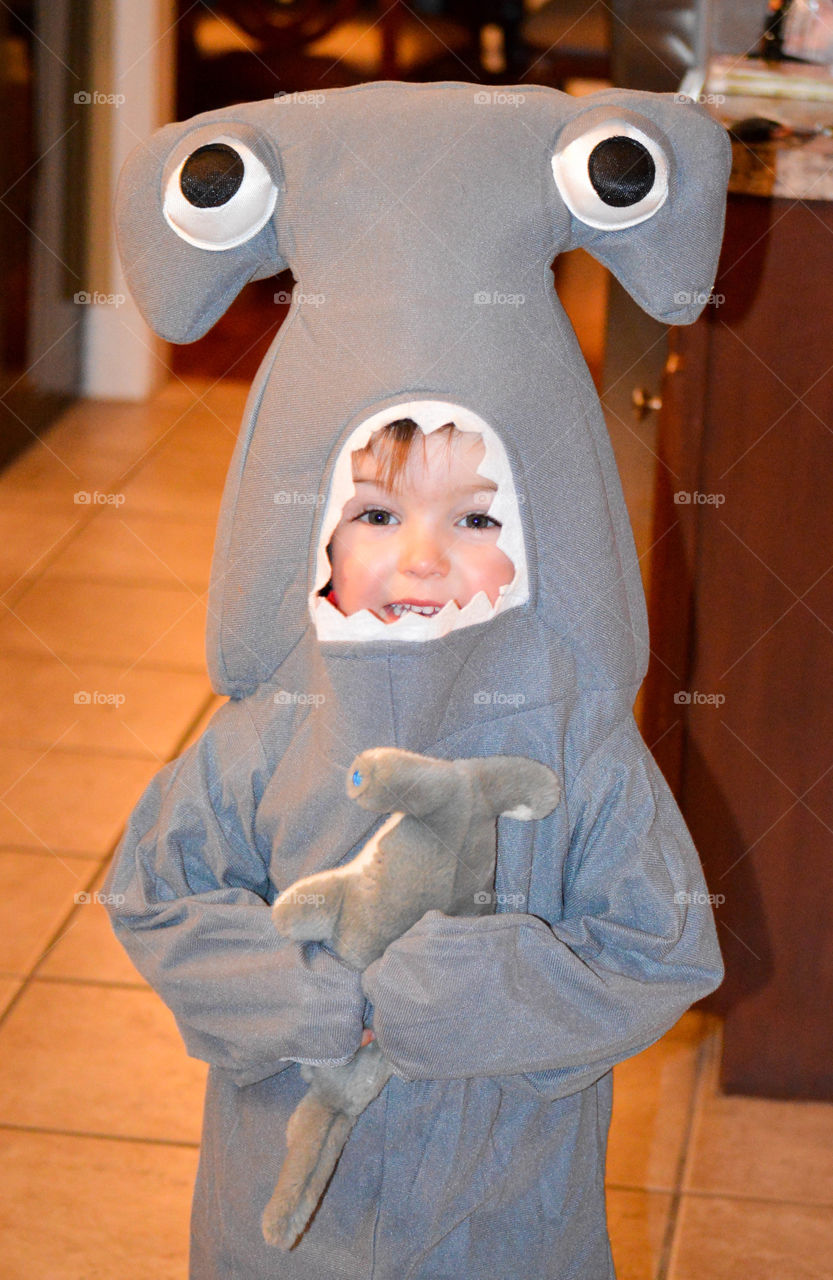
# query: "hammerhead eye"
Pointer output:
{"type": "Point", "coordinates": [613, 176]}
{"type": "Point", "coordinates": [211, 175]}
{"type": "Point", "coordinates": [219, 196]}
{"type": "Point", "coordinates": [622, 171]}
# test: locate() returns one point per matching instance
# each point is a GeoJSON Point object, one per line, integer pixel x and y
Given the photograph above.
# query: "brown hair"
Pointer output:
{"type": "Point", "coordinates": [391, 447]}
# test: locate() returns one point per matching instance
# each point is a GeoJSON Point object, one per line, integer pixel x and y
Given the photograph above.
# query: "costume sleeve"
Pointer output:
{"type": "Point", "coordinates": [189, 894]}
{"type": "Point", "coordinates": [564, 999]}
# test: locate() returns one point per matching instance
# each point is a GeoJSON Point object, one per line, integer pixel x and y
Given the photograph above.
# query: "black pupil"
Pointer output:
{"type": "Point", "coordinates": [211, 175]}
{"type": "Point", "coordinates": [622, 171]}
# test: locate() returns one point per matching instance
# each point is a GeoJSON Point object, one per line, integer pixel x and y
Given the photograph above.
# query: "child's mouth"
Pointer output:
{"type": "Point", "coordinates": [424, 608]}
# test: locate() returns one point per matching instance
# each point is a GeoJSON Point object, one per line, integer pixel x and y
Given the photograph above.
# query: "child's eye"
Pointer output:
{"type": "Point", "coordinates": [376, 515]}
{"type": "Point", "coordinates": [479, 520]}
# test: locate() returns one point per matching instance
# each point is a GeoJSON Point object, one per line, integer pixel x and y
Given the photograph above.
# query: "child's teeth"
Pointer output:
{"type": "Point", "coordinates": [427, 610]}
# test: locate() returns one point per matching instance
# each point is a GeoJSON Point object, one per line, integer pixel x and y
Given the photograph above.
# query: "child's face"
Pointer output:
{"type": "Point", "coordinates": [427, 542]}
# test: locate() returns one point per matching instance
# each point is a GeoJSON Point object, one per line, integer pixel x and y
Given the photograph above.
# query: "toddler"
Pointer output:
{"type": "Point", "coordinates": [487, 1146]}
{"type": "Point", "coordinates": [417, 533]}
{"type": "Point", "coordinates": [481, 596]}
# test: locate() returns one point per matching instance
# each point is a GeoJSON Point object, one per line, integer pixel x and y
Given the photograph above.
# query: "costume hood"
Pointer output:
{"type": "Point", "coordinates": [420, 222]}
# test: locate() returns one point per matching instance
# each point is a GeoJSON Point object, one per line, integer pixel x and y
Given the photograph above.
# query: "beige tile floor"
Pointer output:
{"type": "Point", "coordinates": [102, 676]}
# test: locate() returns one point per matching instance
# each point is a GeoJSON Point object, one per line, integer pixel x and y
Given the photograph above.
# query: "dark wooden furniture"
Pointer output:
{"type": "Point", "coordinates": [567, 39]}
{"type": "Point", "coordinates": [739, 699]}
{"type": "Point", "coordinates": [43, 133]}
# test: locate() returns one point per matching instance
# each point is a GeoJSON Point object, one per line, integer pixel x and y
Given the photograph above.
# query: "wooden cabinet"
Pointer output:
{"type": "Point", "coordinates": [739, 697]}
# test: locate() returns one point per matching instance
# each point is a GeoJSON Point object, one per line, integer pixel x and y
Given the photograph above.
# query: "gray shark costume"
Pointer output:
{"type": "Point", "coordinates": [419, 222]}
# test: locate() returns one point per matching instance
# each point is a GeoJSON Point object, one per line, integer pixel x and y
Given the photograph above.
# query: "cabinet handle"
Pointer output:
{"type": "Point", "coordinates": [644, 401]}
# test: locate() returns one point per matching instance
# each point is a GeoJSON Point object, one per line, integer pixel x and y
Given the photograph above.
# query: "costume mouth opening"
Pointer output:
{"type": "Point", "coordinates": [413, 618]}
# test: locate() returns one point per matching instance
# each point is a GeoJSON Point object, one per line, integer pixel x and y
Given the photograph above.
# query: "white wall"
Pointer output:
{"type": "Point", "coordinates": [133, 64]}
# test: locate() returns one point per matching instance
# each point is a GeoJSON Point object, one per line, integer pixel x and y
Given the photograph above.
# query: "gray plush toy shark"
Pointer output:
{"type": "Point", "coordinates": [436, 852]}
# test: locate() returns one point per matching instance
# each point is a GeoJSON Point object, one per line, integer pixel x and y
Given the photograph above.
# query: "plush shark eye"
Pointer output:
{"type": "Point", "coordinates": [219, 196]}
{"type": "Point", "coordinates": [613, 176]}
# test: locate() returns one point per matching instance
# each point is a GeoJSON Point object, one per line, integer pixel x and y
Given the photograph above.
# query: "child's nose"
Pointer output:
{"type": "Point", "coordinates": [423, 553]}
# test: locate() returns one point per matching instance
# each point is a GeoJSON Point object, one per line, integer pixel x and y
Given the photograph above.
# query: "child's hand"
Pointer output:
{"type": "Point", "coordinates": [367, 1036]}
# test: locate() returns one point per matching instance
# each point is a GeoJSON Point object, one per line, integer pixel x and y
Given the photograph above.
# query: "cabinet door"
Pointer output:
{"type": "Point", "coordinates": [748, 575]}
{"type": "Point", "coordinates": [43, 181]}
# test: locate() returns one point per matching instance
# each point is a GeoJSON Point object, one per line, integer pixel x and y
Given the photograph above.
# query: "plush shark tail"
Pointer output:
{"type": "Point", "coordinates": [315, 1137]}
{"type": "Point", "coordinates": [308, 910]}
{"type": "Point", "coordinates": [518, 787]}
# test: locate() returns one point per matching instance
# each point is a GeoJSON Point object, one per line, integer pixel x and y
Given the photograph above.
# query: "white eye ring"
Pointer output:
{"type": "Point", "coordinates": [571, 170]}
{"type": "Point", "coordinates": [231, 221]}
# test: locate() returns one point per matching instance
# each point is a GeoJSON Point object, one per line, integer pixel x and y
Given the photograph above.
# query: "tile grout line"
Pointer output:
{"type": "Point", "coordinates": [86, 659]}
{"type": "Point", "coordinates": [113, 580]}
{"type": "Point", "coordinates": [107, 984]}
{"type": "Point", "coordinates": [672, 1222]}
{"type": "Point", "coordinates": [84, 749]}
{"type": "Point", "coordinates": [86, 514]}
{"type": "Point", "coordinates": [44, 851]}
{"type": "Point", "coordinates": [100, 1137]}
{"type": "Point", "coordinates": [66, 924]}
{"type": "Point", "coordinates": [640, 1189]}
